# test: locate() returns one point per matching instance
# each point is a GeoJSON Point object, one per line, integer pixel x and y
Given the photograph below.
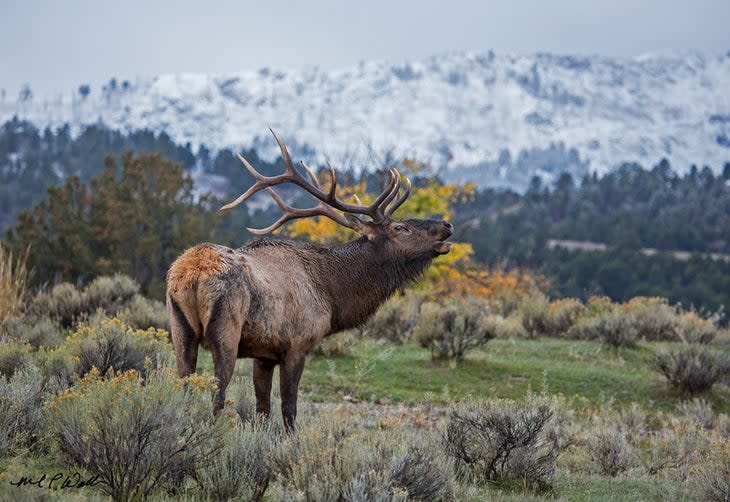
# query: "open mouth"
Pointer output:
{"type": "Point", "coordinates": [442, 247]}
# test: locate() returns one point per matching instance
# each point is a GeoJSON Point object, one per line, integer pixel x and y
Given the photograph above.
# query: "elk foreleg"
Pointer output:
{"type": "Point", "coordinates": [263, 372]}
{"type": "Point", "coordinates": [289, 374]}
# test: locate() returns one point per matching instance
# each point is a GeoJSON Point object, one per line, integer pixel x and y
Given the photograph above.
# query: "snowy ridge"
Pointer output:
{"type": "Point", "coordinates": [461, 110]}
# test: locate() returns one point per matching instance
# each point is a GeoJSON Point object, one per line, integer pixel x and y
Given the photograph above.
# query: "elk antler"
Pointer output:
{"type": "Point", "coordinates": [377, 211]}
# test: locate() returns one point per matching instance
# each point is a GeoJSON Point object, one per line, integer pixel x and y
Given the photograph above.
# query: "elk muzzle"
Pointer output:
{"type": "Point", "coordinates": [446, 230]}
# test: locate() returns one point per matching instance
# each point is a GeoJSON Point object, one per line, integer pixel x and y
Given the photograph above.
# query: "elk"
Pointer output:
{"type": "Point", "coordinates": [274, 300]}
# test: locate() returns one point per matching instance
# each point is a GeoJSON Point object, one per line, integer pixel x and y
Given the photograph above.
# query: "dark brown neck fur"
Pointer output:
{"type": "Point", "coordinates": [360, 275]}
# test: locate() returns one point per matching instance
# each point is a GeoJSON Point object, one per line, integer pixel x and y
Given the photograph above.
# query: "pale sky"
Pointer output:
{"type": "Point", "coordinates": [57, 45]}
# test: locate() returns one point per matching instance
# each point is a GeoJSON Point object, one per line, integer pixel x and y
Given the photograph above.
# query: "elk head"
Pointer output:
{"type": "Point", "coordinates": [405, 240]}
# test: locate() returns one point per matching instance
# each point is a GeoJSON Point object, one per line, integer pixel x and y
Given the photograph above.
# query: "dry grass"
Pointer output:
{"type": "Point", "coordinates": [14, 278]}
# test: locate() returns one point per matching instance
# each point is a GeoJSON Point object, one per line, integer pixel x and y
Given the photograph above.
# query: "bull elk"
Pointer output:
{"type": "Point", "coordinates": [273, 300]}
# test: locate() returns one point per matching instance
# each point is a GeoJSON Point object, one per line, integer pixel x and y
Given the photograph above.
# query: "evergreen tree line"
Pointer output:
{"type": "Point", "coordinates": [628, 209]}
{"type": "Point", "coordinates": [84, 216]}
{"type": "Point", "coordinates": [31, 160]}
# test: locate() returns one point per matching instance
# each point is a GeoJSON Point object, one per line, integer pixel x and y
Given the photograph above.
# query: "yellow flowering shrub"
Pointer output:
{"type": "Point", "coordinates": [109, 344]}
{"type": "Point", "coordinates": [137, 434]}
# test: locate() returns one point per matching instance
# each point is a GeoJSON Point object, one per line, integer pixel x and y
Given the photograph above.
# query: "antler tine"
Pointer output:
{"type": "Point", "coordinates": [284, 154]}
{"type": "Point", "coordinates": [290, 176]}
{"type": "Point", "coordinates": [260, 183]}
{"type": "Point", "coordinates": [386, 190]}
{"type": "Point", "coordinates": [291, 213]}
{"type": "Point", "coordinates": [311, 174]}
{"type": "Point", "coordinates": [257, 175]}
{"type": "Point", "coordinates": [400, 199]}
{"type": "Point", "coordinates": [332, 193]}
{"type": "Point", "coordinates": [393, 192]}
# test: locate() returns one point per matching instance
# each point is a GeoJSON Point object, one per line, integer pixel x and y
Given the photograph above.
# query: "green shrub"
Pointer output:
{"type": "Point", "coordinates": [328, 461]}
{"type": "Point", "coordinates": [142, 313]}
{"type": "Point", "coordinates": [691, 328]}
{"type": "Point", "coordinates": [450, 331]}
{"type": "Point", "coordinates": [534, 312]}
{"type": "Point", "coordinates": [562, 316]}
{"type": "Point", "coordinates": [112, 345]}
{"type": "Point", "coordinates": [598, 305]}
{"type": "Point", "coordinates": [112, 295]}
{"type": "Point", "coordinates": [698, 411]}
{"type": "Point", "coordinates": [14, 355]}
{"type": "Point", "coordinates": [420, 473]}
{"type": "Point", "coordinates": [692, 368]}
{"type": "Point", "coordinates": [676, 444]}
{"type": "Point", "coordinates": [373, 486]}
{"type": "Point", "coordinates": [504, 442]}
{"type": "Point", "coordinates": [311, 464]}
{"type": "Point", "coordinates": [243, 469]}
{"type": "Point", "coordinates": [612, 327]}
{"type": "Point", "coordinates": [137, 435]}
{"type": "Point", "coordinates": [505, 327]}
{"type": "Point", "coordinates": [411, 474]}
{"type": "Point", "coordinates": [244, 402]}
{"type": "Point", "coordinates": [58, 365]}
{"type": "Point", "coordinates": [653, 318]}
{"type": "Point", "coordinates": [63, 304]}
{"type": "Point", "coordinates": [646, 318]}
{"type": "Point", "coordinates": [21, 413]}
{"type": "Point", "coordinates": [715, 478]}
{"type": "Point", "coordinates": [109, 293]}
{"type": "Point", "coordinates": [42, 332]}
{"type": "Point", "coordinates": [543, 318]}
{"type": "Point", "coordinates": [633, 421]}
{"type": "Point", "coordinates": [393, 321]}
{"type": "Point", "coordinates": [339, 344]}
{"type": "Point", "coordinates": [611, 451]}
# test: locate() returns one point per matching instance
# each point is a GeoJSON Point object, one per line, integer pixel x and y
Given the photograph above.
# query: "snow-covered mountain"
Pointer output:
{"type": "Point", "coordinates": [507, 116]}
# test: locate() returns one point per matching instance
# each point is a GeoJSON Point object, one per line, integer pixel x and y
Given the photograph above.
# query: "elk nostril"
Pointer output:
{"type": "Point", "coordinates": [448, 225]}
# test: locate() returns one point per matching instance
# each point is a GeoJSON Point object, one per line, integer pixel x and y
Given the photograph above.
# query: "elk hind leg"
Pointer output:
{"type": "Point", "coordinates": [184, 339]}
{"type": "Point", "coordinates": [223, 333]}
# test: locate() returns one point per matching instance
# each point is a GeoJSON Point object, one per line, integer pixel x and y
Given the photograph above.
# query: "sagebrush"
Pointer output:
{"type": "Point", "coordinates": [137, 435]}
{"type": "Point", "coordinates": [505, 442]}
{"type": "Point", "coordinates": [452, 330]}
{"type": "Point", "coordinates": [692, 368]}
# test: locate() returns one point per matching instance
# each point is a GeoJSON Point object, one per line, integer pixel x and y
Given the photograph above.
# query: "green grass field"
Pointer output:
{"type": "Point", "coordinates": [587, 372]}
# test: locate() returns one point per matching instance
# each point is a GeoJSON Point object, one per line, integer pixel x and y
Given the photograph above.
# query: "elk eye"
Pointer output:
{"type": "Point", "coordinates": [400, 228]}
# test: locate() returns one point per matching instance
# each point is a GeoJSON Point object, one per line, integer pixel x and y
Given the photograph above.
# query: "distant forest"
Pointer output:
{"type": "Point", "coordinates": [627, 210]}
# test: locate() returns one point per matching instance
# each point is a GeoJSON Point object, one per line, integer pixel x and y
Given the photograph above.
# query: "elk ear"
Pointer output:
{"type": "Point", "coordinates": [362, 227]}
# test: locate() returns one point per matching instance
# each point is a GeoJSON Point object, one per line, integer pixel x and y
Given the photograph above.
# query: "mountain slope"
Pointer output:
{"type": "Point", "coordinates": [464, 110]}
